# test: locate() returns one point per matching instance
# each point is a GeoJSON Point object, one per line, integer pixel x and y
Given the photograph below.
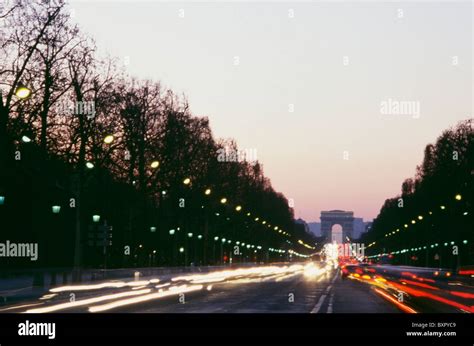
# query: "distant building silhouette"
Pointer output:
{"type": "Point", "coordinates": [355, 227]}
{"type": "Point", "coordinates": [315, 228]}
{"type": "Point", "coordinates": [359, 227]}
{"type": "Point", "coordinates": [337, 217]}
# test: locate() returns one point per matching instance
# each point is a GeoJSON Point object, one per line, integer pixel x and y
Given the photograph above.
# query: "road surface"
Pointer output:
{"type": "Point", "coordinates": [273, 289]}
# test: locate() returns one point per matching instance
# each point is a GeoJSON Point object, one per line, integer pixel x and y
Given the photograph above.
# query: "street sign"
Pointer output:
{"type": "Point", "coordinates": [100, 236]}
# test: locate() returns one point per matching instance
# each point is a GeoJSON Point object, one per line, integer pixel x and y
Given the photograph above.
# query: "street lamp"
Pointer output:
{"type": "Point", "coordinates": [95, 218]}
{"type": "Point", "coordinates": [56, 209]}
{"type": "Point", "coordinates": [216, 238]}
{"type": "Point", "coordinates": [181, 249]}
{"type": "Point", "coordinates": [190, 235]}
{"type": "Point", "coordinates": [155, 164]}
{"type": "Point", "coordinates": [108, 139]}
{"type": "Point", "coordinates": [224, 200]}
{"type": "Point", "coordinates": [199, 236]}
{"type": "Point", "coordinates": [153, 229]}
{"type": "Point", "coordinates": [172, 231]}
{"type": "Point", "coordinates": [25, 139]}
{"type": "Point", "coordinates": [458, 197]}
{"type": "Point", "coordinates": [207, 192]}
{"type": "Point", "coordinates": [2, 200]}
{"type": "Point", "coordinates": [186, 181]}
{"type": "Point", "coordinates": [22, 91]}
{"type": "Point", "coordinates": [89, 165]}
{"type": "Point", "coordinates": [238, 208]}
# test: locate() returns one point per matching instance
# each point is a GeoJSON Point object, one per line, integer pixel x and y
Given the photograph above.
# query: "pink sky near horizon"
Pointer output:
{"type": "Point", "coordinates": [300, 61]}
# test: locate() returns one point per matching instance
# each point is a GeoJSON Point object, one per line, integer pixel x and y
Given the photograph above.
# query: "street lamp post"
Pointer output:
{"type": "Point", "coordinates": [185, 256]}
{"type": "Point", "coordinates": [173, 244]}
{"type": "Point", "coordinates": [181, 250]}
{"type": "Point", "coordinates": [78, 186]}
{"type": "Point", "coordinates": [222, 250]}
{"type": "Point", "coordinates": [76, 275]}
{"type": "Point", "coordinates": [198, 252]}
{"type": "Point", "coordinates": [216, 239]}
{"type": "Point", "coordinates": [189, 245]}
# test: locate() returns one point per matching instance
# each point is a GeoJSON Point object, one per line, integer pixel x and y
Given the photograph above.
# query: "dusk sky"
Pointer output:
{"type": "Point", "coordinates": [336, 63]}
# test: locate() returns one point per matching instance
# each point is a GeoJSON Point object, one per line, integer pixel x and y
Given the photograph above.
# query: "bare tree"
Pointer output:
{"type": "Point", "coordinates": [27, 27]}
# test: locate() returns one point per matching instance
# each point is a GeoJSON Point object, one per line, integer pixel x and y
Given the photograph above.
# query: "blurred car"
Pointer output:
{"type": "Point", "coordinates": [347, 269]}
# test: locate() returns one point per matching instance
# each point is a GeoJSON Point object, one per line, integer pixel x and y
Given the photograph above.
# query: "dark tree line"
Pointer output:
{"type": "Point", "coordinates": [94, 141]}
{"type": "Point", "coordinates": [434, 211]}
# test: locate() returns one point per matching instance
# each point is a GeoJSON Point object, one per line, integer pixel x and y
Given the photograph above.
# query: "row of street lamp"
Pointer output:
{"type": "Point", "coordinates": [23, 92]}
{"type": "Point", "coordinates": [238, 208]}
{"type": "Point", "coordinates": [457, 197]}
{"type": "Point", "coordinates": [414, 249]}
